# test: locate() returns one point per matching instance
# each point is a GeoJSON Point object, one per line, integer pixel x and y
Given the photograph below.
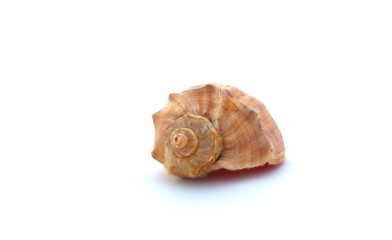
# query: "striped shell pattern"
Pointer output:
{"type": "Point", "coordinates": [215, 126]}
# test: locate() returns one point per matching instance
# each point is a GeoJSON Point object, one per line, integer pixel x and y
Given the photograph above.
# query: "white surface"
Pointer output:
{"type": "Point", "coordinates": [79, 81]}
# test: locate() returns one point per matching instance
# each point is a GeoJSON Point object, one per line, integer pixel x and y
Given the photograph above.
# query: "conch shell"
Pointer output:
{"type": "Point", "coordinates": [214, 126]}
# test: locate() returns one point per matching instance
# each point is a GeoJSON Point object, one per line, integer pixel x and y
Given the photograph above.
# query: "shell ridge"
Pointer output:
{"type": "Point", "coordinates": [217, 109]}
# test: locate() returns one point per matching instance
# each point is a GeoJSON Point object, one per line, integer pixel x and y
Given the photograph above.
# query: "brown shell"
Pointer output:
{"type": "Point", "coordinates": [214, 126]}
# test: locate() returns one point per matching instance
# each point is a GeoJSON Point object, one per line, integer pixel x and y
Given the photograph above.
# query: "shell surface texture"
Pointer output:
{"type": "Point", "coordinates": [214, 126]}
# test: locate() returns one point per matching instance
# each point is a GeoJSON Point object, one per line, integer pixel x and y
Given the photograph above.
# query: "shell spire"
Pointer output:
{"type": "Point", "coordinates": [215, 126]}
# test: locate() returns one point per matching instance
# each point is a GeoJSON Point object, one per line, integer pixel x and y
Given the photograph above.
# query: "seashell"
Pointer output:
{"type": "Point", "coordinates": [215, 126]}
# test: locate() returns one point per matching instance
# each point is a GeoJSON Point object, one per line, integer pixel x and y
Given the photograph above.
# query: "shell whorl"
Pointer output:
{"type": "Point", "coordinates": [183, 142]}
{"type": "Point", "coordinates": [193, 146]}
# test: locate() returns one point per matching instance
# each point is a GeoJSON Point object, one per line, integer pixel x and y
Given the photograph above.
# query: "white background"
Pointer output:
{"type": "Point", "coordinates": [79, 81]}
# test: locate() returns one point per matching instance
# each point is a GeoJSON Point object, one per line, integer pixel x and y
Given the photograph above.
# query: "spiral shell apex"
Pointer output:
{"type": "Point", "coordinates": [214, 126]}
